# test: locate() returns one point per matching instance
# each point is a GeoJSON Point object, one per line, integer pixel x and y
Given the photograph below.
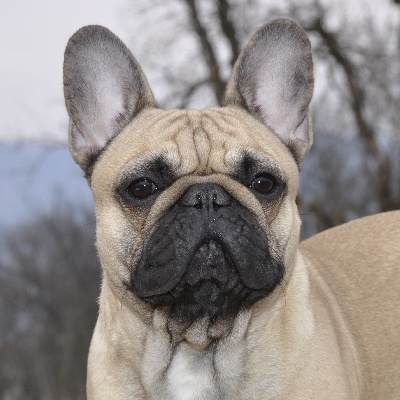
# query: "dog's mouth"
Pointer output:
{"type": "Point", "coordinates": [210, 287]}
{"type": "Point", "coordinates": [206, 265]}
{"type": "Point", "coordinates": [209, 296]}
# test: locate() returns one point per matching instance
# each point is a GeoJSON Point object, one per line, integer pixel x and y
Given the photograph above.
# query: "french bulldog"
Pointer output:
{"type": "Point", "coordinates": [206, 292]}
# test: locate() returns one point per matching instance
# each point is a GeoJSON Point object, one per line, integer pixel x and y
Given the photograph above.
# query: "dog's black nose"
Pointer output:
{"type": "Point", "coordinates": [206, 197]}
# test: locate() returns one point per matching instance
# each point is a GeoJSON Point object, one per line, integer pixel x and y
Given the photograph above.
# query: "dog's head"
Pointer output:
{"type": "Point", "coordinates": [195, 210]}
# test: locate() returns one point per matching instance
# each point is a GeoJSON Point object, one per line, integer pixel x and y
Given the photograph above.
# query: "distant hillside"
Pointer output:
{"type": "Point", "coordinates": [37, 178]}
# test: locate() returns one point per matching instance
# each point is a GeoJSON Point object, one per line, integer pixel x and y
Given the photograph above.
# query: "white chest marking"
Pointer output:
{"type": "Point", "coordinates": [190, 375]}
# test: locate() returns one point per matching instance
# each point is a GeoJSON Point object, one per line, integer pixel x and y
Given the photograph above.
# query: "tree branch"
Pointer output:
{"type": "Point", "coordinates": [214, 75]}
{"type": "Point", "coordinates": [189, 92]}
{"type": "Point", "coordinates": [228, 28]}
{"type": "Point", "coordinates": [358, 100]}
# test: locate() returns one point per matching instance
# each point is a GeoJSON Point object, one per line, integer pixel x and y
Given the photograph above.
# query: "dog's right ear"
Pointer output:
{"type": "Point", "coordinates": [104, 88]}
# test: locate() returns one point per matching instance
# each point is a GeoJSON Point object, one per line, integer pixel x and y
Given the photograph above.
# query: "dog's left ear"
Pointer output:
{"type": "Point", "coordinates": [273, 80]}
{"type": "Point", "coordinates": [104, 89]}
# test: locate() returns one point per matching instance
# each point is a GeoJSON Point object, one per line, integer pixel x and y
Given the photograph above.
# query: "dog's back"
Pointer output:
{"type": "Point", "coordinates": [360, 263]}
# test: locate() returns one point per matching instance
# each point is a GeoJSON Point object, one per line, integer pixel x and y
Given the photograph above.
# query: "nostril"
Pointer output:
{"type": "Point", "coordinates": [221, 200]}
{"type": "Point", "coordinates": [206, 197]}
{"type": "Point", "coordinates": [216, 206]}
{"type": "Point", "coordinates": [199, 204]}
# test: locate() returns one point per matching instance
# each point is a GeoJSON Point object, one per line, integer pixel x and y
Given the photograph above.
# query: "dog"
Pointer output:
{"type": "Point", "coordinates": [206, 291]}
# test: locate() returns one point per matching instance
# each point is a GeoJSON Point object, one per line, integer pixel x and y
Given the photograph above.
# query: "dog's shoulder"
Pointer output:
{"type": "Point", "coordinates": [370, 236]}
{"type": "Point", "coordinates": [359, 264]}
{"type": "Point", "coordinates": [359, 253]}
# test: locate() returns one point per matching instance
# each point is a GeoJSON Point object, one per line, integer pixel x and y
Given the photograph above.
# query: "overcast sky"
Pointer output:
{"type": "Point", "coordinates": [33, 35]}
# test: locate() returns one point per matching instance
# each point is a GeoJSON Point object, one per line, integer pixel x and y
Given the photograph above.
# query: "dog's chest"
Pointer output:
{"type": "Point", "coordinates": [186, 371]}
{"type": "Point", "coordinates": [191, 375]}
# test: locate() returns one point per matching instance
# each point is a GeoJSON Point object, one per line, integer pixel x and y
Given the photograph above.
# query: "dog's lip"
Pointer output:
{"type": "Point", "coordinates": [207, 262]}
{"type": "Point", "coordinates": [242, 265]}
{"type": "Point", "coordinates": [237, 262]}
{"type": "Point", "coordinates": [169, 250]}
{"type": "Point", "coordinates": [242, 262]}
{"type": "Point", "coordinates": [150, 291]}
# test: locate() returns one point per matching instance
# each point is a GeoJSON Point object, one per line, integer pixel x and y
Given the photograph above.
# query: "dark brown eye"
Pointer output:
{"type": "Point", "coordinates": [141, 188]}
{"type": "Point", "coordinates": [264, 184]}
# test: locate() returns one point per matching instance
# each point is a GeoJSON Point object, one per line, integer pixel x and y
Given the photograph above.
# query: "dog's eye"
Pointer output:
{"type": "Point", "coordinates": [141, 188]}
{"type": "Point", "coordinates": [263, 184]}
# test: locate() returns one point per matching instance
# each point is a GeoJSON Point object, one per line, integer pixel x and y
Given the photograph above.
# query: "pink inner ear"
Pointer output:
{"type": "Point", "coordinates": [270, 100]}
{"type": "Point", "coordinates": [283, 118]}
{"type": "Point", "coordinates": [105, 116]}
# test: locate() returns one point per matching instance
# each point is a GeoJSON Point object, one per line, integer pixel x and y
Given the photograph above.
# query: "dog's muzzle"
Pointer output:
{"type": "Point", "coordinates": [207, 256]}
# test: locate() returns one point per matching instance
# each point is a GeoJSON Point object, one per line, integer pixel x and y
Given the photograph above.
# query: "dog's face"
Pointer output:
{"type": "Point", "coordinates": [195, 210]}
{"type": "Point", "coordinates": [196, 218]}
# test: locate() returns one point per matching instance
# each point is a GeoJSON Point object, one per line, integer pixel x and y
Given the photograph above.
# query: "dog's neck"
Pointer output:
{"type": "Point", "coordinates": [195, 367]}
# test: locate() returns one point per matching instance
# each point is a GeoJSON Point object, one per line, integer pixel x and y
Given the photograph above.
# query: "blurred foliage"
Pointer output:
{"type": "Point", "coordinates": [50, 278]}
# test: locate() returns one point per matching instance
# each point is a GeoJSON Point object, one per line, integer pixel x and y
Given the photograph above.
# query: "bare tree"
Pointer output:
{"type": "Point", "coordinates": [357, 74]}
{"type": "Point", "coordinates": [50, 282]}
{"type": "Point", "coordinates": [361, 66]}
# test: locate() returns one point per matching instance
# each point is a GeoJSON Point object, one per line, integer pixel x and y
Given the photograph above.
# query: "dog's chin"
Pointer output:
{"type": "Point", "coordinates": [203, 305]}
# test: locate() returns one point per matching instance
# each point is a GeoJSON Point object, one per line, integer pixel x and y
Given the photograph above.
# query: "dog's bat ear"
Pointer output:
{"type": "Point", "coordinates": [273, 80]}
{"type": "Point", "coordinates": [104, 88]}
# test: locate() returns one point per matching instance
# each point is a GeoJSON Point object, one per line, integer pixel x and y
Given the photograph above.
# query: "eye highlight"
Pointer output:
{"type": "Point", "coordinates": [141, 188]}
{"type": "Point", "coordinates": [263, 183]}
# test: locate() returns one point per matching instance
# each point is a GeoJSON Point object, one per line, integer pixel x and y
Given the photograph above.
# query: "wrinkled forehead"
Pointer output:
{"type": "Point", "coordinates": [198, 142]}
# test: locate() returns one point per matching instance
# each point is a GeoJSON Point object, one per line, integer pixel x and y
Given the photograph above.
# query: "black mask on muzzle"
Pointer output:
{"type": "Point", "coordinates": [207, 256]}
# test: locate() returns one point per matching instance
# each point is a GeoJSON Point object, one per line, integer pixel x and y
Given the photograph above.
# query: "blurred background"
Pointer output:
{"type": "Point", "coordinates": [49, 272]}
